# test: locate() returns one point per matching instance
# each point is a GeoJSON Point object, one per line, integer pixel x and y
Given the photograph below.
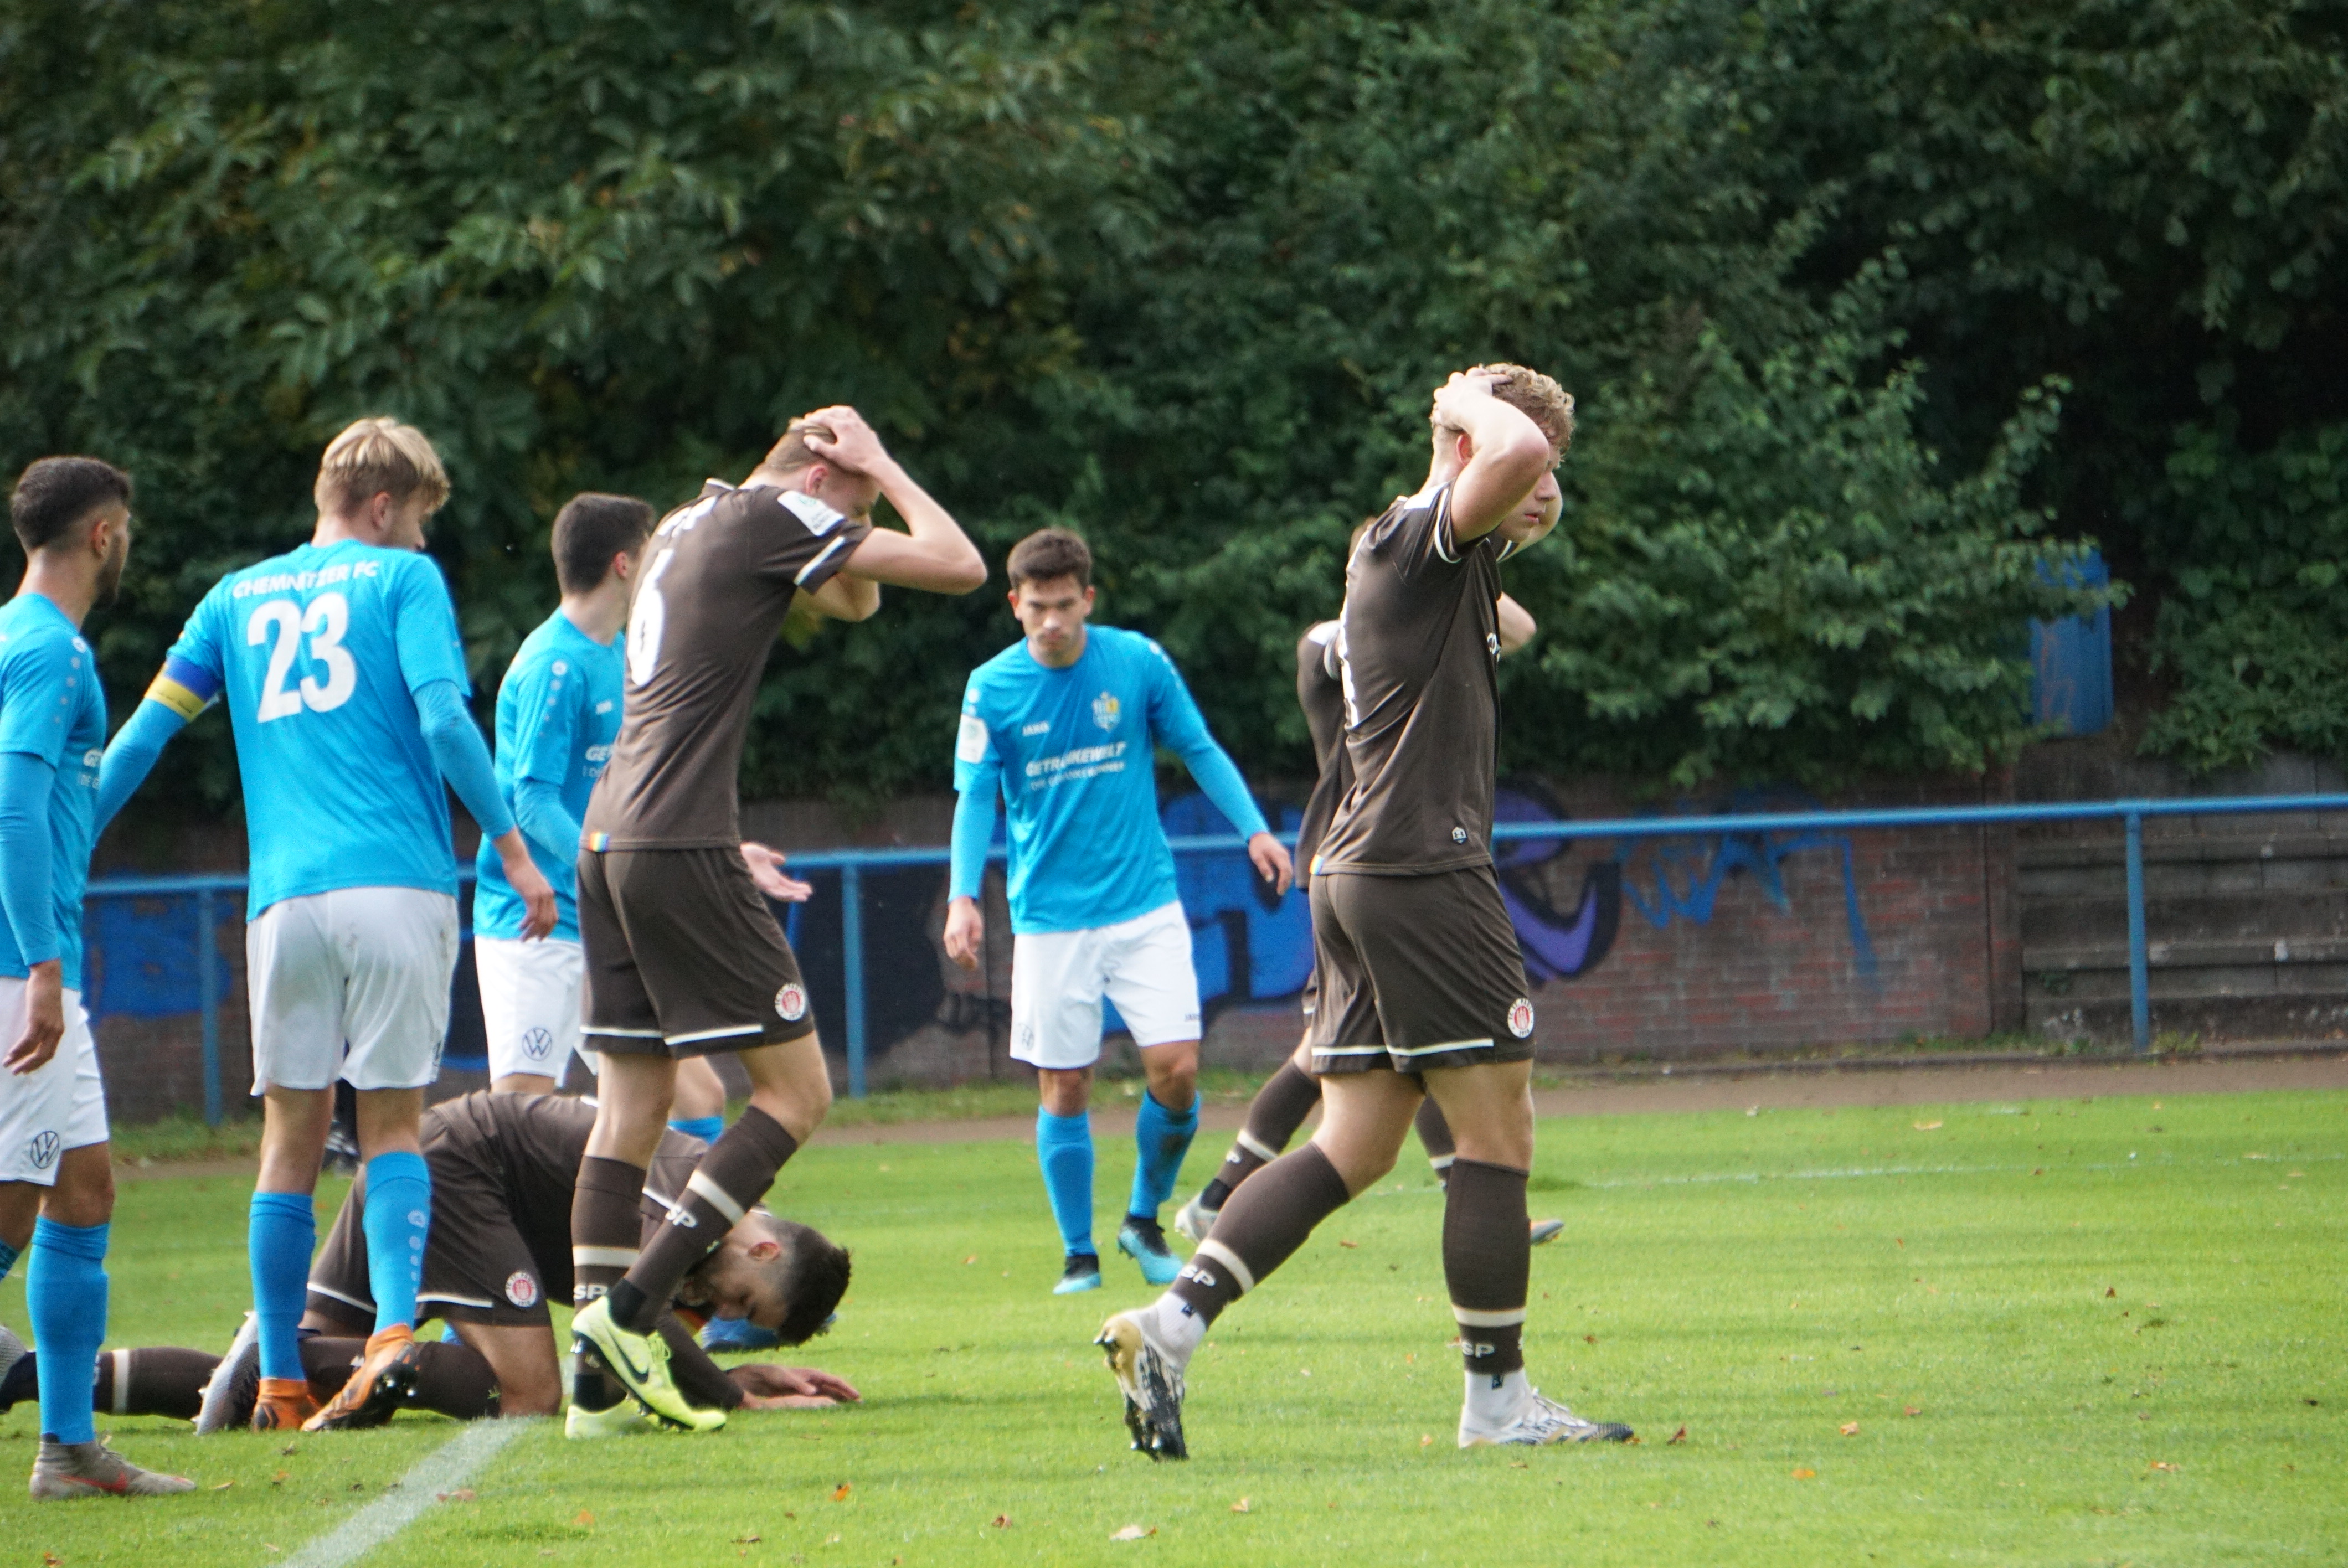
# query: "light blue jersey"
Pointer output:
{"type": "Point", "coordinates": [1072, 751]}
{"type": "Point", "coordinates": [52, 708]}
{"type": "Point", "coordinates": [558, 712]}
{"type": "Point", "coordinates": [318, 654]}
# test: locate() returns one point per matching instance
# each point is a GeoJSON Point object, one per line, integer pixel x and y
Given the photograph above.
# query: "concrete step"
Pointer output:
{"type": "Point", "coordinates": [2268, 916]}
{"type": "Point", "coordinates": [2210, 1017]}
{"type": "Point", "coordinates": [2206, 982]}
{"type": "Point", "coordinates": [2108, 880]}
{"type": "Point", "coordinates": [2191, 954]}
{"type": "Point", "coordinates": [2166, 848]}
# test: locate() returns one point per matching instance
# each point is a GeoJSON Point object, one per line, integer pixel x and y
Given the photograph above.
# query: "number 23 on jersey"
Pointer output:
{"type": "Point", "coordinates": [283, 625]}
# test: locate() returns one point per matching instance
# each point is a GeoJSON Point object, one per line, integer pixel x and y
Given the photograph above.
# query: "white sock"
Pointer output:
{"type": "Point", "coordinates": [1493, 1400]}
{"type": "Point", "coordinates": [1177, 1326]}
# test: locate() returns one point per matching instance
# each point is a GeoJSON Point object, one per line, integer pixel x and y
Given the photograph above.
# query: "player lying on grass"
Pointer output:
{"type": "Point", "coordinates": [1062, 726]}
{"type": "Point", "coordinates": [1289, 1095]}
{"type": "Point", "coordinates": [1422, 986]}
{"type": "Point", "coordinates": [503, 1167]}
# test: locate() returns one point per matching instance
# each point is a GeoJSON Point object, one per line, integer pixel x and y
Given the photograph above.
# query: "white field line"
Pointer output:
{"type": "Point", "coordinates": [442, 1470]}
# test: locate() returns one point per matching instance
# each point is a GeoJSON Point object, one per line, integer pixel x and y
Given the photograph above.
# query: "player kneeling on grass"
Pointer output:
{"type": "Point", "coordinates": [1422, 988]}
{"type": "Point", "coordinates": [502, 1168]}
{"type": "Point", "coordinates": [1064, 725]}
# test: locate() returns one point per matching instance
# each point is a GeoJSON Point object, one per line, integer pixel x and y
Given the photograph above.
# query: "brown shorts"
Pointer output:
{"type": "Point", "coordinates": [476, 1268]}
{"type": "Point", "coordinates": [1416, 972]}
{"type": "Point", "coordinates": [684, 957]}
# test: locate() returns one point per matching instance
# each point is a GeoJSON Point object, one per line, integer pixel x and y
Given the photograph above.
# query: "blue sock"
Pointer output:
{"type": "Point", "coordinates": [1064, 1147]}
{"type": "Point", "coordinates": [399, 1217]}
{"type": "Point", "coordinates": [7, 1259]}
{"type": "Point", "coordinates": [1160, 1139]}
{"type": "Point", "coordinates": [705, 1128]}
{"type": "Point", "coordinates": [65, 1291]}
{"type": "Point", "coordinates": [280, 1231]}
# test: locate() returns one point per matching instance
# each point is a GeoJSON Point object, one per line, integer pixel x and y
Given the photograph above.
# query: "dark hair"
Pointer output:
{"type": "Point", "coordinates": [1050, 553]}
{"type": "Point", "coordinates": [815, 1277]}
{"type": "Point", "coordinates": [589, 530]}
{"type": "Point", "coordinates": [56, 493]}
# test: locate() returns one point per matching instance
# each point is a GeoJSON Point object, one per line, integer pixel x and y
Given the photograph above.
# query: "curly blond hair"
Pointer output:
{"type": "Point", "coordinates": [1537, 396]}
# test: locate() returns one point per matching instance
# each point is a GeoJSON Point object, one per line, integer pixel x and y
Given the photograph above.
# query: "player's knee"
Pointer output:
{"type": "Point", "coordinates": [84, 1194]}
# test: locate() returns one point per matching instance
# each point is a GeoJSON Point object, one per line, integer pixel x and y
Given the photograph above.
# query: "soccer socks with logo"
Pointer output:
{"type": "Point", "coordinates": [1064, 1147]}
{"type": "Point", "coordinates": [705, 1128]}
{"type": "Point", "coordinates": [1160, 1139]}
{"type": "Point", "coordinates": [279, 1234]}
{"type": "Point", "coordinates": [604, 1229]}
{"type": "Point", "coordinates": [735, 1174]}
{"type": "Point", "coordinates": [1487, 1263]}
{"type": "Point", "coordinates": [399, 1217]}
{"type": "Point", "coordinates": [65, 1294]}
{"type": "Point", "coordinates": [1278, 1109]}
{"type": "Point", "coordinates": [1265, 1222]}
{"type": "Point", "coordinates": [1435, 1137]}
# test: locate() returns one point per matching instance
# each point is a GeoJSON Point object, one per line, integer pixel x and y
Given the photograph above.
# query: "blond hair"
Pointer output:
{"type": "Point", "coordinates": [791, 453]}
{"type": "Point", "coordinates": [375, 456]}
{"type": "Point", "coordinates": [1537, 396]}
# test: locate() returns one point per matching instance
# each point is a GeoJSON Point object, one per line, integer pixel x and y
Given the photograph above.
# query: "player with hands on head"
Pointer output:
{"type": "Point", "coordinates": [343, 674]}
{"type": "Point", "coordinates": [1421, 985]}
{"type": "Point", "coordinates": [683, 956]}
{"type": "Point", "coordinates": [1065, 724]}
{"type": "Point", "coordinates": [72, 516]}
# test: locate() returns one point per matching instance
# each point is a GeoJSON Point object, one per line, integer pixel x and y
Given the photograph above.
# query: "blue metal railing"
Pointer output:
{"type": "Point", "coordinates": [851, 862]}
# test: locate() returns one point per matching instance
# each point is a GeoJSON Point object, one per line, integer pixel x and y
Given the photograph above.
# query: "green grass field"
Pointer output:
{"type": "Point", "coordinates": [2051, 1332]}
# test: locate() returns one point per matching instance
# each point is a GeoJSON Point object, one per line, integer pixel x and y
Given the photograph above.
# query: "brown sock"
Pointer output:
{"type": "Point", "coordinates": [1435, 1137]}
{"type": "Point", "coordinates": [453, 1380]}
{"type": "Point", "coordinates": [1266, 1221]}
{"type": "Point", "coordinates": [1487, 1263]}
{"type": "Point", "coordinates": [701, 1381]}
{"type": "Point", "coordinates": [1278, 1109]}
{"type": "Point", "coordinates": [328, 1361]}
{"type": "Point", "coordinates": [605, 1228]}
{"type": "Point", "coordinates": [159, 1380]}
{"type": "Point", "coordinates": [732, 1175]}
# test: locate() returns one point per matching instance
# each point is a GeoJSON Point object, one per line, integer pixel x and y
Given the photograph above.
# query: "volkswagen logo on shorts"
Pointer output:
{"type": "Point", "coordinates": [43, 1148]}
{"type": "Point", "coordinates": [521, 1289]}
{"type": "Point", "coordinates": [536, 1043]}
{"type": "Point", "coordinates": [791, 1004]}
{"type": "Point", "coordinates": [1520, 1018]}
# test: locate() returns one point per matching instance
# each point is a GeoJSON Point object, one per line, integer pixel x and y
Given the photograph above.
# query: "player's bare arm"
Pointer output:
{"type": "Point", "coordinates": [844, 598]}
{"type": "Point", "coordinates": [1517, 626]}
{"type": "Point", "coordinates": [1507, 454]}
{"type": "Point", "coordinates": [767, 871]}
{"type": "Point", "coordinates": [933, 553]}
{"type": "Point", "coordinates": [45, 1018]}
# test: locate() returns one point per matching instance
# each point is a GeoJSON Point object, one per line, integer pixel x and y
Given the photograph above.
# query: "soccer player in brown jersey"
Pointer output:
{"type": "Point", "coordinates": [1422, 988]}
{"type": "Point", "coordinates": [683, 956]}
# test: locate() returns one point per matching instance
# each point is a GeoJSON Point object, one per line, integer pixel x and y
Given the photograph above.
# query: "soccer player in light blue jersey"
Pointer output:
{"type": "Point", "coordinates": [72, 515]}
{"type": "Point", "coordinates": [345, 679]}
{"type": "Point", "coordinates": [1065, 726]}
{"type": "Point", "coordinates": [558, 713]}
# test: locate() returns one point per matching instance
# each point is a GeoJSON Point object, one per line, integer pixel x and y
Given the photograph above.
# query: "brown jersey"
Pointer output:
{"type": "Point", "coordinates": [716, 586]}
{"type": "Point", "coordinates": [1419, 645]}
{"type": "Point", "coordinates": [1321, 693]}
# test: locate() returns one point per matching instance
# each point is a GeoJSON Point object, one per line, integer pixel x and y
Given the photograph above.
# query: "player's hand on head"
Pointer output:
{"type": "Point", "coordinates": [1272, 862]}
{"type": "Point", "coordinates": [965, 932]}
{"type": "Point", "coordinates": [853, 444]}
{"type": "Point", "coordinates": [45, 1019]}
{"type": "Point", "coordinates": [1465, 387]}
{"type": "Point", "coordinates": [767, 871]}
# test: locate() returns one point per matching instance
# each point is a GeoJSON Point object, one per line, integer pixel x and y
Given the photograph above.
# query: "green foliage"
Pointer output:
{"type": "Point", "coordinates": [1183, 276]}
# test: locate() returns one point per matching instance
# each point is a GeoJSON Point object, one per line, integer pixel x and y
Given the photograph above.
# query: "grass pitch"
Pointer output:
{"type": "Point", "coordinates": [2044, 1332]}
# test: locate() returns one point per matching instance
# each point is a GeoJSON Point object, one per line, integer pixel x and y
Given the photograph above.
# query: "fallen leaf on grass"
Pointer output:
{"type": "Point", "coordinates": [584, 1518]}
{"type": "Point", "coordinates": [1341, 1242]}
{"type": "Point", "coordinates": [1240, 1506]}
{"type": "Point", "coordinates": [1518, 1465]}
{"type": "Point", "coordinates": [2164, 1464]}
{"type": "Point", "coordinates": [1677, 1437]}
{"type": "Point", "coordinates": [280, 1478]}
{"type": "Point", "coordinates": [750, 1540]}
{"type": "Point", "coordinates": [1806, 1475]}
{"type": "Point", "coordinates": [224, 1486]}
{"type": "Point", "coordinates": [1134, 1533]}
{"type": "Point", "coordinates": [839, 1493]}
{"type": "Point", "coordinates": [1589, 1339]}
{"type": "Point", "coordinates": [462, 1494]}
{"type": "Point", "coordinates": [289, 1449]}
{"type": "Point", "coordinates": [832, 1539]}
{"type": "Point", "coordinates": [1001, 1521]}
{"type": "Point", "coordinates": [971, 1259]}
{"type": "Point", "coordinates": [50, 1559]}
{"type": "Point", "coordinates": [1425, 1440]}
{"type": "Point", "coordinates": [1912, 1411]}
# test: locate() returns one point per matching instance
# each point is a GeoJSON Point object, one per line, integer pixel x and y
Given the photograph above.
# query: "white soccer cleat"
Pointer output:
{"type": "Point", "coordinates": [1537, 1421]}
{"type": "Point", "coordinates": [69, 1471]}
{"type": "Point", "coordinates": [1195, 1221]}
{"type": "Point", "coordinates": [219, 1406]}
{"type": "Point", "coordinates": [1151, 1381]}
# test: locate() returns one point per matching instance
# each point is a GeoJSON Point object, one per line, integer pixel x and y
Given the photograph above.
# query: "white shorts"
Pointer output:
{"type": "Point", "coordinates": [529, 1003]}
{"type": "Point", "coordinates": [1058, 978]}
{"type": "Point", "coordinates": [365, 967]}
{"type": "Point", "coordinates": [60, 1107]}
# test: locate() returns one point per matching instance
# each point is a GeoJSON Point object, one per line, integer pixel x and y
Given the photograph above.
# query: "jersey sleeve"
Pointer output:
{"type": "Point", "coordinates": [423, 627]}
{"type": "Point", "coordinates": [801, 539]}
{"type": "Point", "coordinates": [1417, 537]}
{"type": "Point", "coordinates": [551, 706]}
{"type": "Point", "coordinates": [37, 679]}
{"type": "Point", "coordinates": [1175, 720]}
{"type": "Point", "coordinates": [976, 760]}
{"type": "Point", "coordinates": [193, 671]}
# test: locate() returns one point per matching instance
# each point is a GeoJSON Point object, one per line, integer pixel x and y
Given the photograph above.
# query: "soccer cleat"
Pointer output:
{"type": "Point", "coordinates": [1144, 1241]}
{"type": "Point", "coordinates": [1196, 1219]}
{"type": "Point", "coordinates": [623, 1419]}
{"type": "Point", "coordinates": [11, 1349]}
{"type": "Point", "coordinates": [229, 1395]}
{"type": "Point", "coordinates": [66, 1471]}
{"type": "Point", "coordinates": [1151, 1383]}
{"type": "Point", "coordinates": [639, 1363]}
{"type": "Point", "coordinates": [1083, 1273]}
{"type": "Point", "coordinates": [1546, 1231]}
{"type": "Point", "coordinates": [282, 1404]}
{"type": "Point", "coordinates": [385, 1375]}
{"type": "Point", "coordinates": [1540, 1421]}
